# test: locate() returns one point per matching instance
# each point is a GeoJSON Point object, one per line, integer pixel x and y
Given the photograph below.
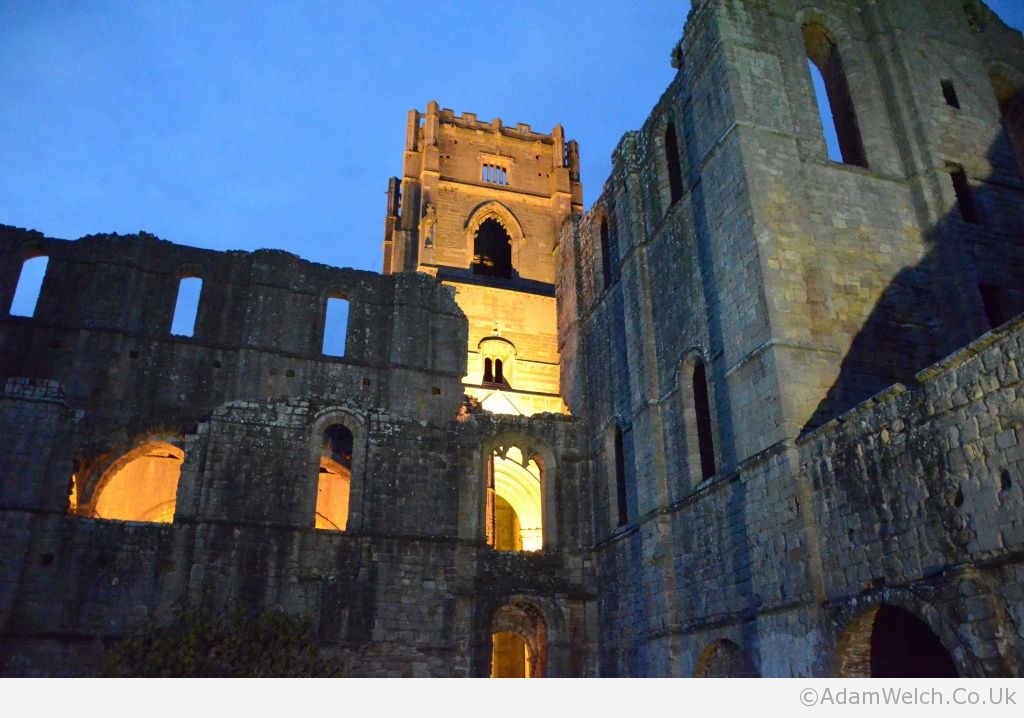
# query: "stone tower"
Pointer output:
{"type": "Point", "coordinates": [480, 205]}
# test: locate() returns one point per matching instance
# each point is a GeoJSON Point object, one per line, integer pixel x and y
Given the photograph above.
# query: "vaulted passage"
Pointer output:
{"type": "Point", "coordinates": [492, 250]}
{"type": "Point", "coordinates": [335, 480]}
{"type": "Point", "coordinates": [141, 486]}
{"type": "Point", "coordinates": [518, 642]}
{"type": "Point", "coordinates": [890, 642]}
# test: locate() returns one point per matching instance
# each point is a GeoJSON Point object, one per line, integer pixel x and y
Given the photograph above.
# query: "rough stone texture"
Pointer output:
{"type": "Point", "coordinates": [806, 287]}
{"type": "Point", "coordinates": [867, 417]}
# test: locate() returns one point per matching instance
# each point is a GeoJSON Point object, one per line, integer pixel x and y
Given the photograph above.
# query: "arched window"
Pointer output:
{"type": "Point", "coordinates": [514, 511]}
{"type": "Point", "coordinates": [835, 104]}
{"type": "Point", "coordinates": [702, 411]}
{"type": "Point", "coordinates": [622, 502]}
{"type": "Point", "coordinates": [335, 482]}
{"type": "Point", "coordinates": [30, 283]}
{"type": "Point", "coordinates": [499, 377]}
{"type": "Point", "coordinates": [675, 175]}
{"type": "Point", "coordinates": [1011, 112]}
{"type": "Point", "coordinates": [186, 308]}
{"type": "Point", "coordinates": [488, 373]}
{"type": "Point", "coordinates": [140, 486]}
{"type": "Point", "coordinates": [492, 250]}
{"type": "Point", "coordinates": [335, 326]}
{"type": "Point", "coordinates": [518, 642]}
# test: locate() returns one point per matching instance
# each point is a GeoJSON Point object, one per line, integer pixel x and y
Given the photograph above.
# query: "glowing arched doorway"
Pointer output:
{"type": "Point", "coordinates": [335, 479]}
{"type": "Point", "coordinates": [518, 642]}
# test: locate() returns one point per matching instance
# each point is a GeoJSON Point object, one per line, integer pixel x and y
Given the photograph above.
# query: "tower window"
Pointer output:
{"type": "Point", "coordinates": [488, 372]}
{"type": "Point", "coordinates": [492, 250]}
{"type": "Point", "coordinates": [964, 198]}
{"type": "Point", "coordinates": [495, 174]}
{"type": "Point", "coordinates": [186, 308]}
{"type": "Point", "coordinates": [335, 327]}
{"type": "Point", "coordinates": [30, 282]}
{"type": "Point", "coordinates": [835, 105]}
{"type": "Point", "coordinates": [606, 254]}
{"type": "Point", "coordinates": [702, 409]}
{"type": "Point", "coordinates": [949, 92]}
{"type": "Point", "coordinates": [620, 479]}
{"type": "Point", "coordinates": [675, 176]}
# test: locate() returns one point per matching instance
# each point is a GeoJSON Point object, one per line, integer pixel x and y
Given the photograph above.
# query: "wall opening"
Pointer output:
{"type": "Point", "coordinates": [186, 308]}
{"type": "Point", "coordinates": [949, 93]}
{"type": "Point", "coordinates": [514, 511]}
{"type": "Point", "coordinates": [835, 104]}
{"type": "Point", "coordinates": [30, 283]}
{"type": "Point", "coordinates": [702, 412]}
{"type": "Point", "coordinates": [724, 659]}
{"type": "Point", "coordinates": [141, 486]}
{"type": "Point", "coordinates": [488, 371]}
{"type": "Point", "coordinates": [1001, 304]}
{"type": "Point", "coordinates": [495, 174]}
{"type": "Point", "coordinates": [889, 642]}
{"type": "Point", "coordinates": [335, 479]}
{"type": "Point", "coordinates": [518, 642]}
{"type": "Point", "coordinates": [620, 479]}
{"type": "Point", "coordinates": [675, 175]}
{"type": "Point", "coordinates": [492, 250]}
{"type": "Point", "coordinates": [1011, 112]}
{"type": "Point", "coordinates": [964, 198]}
{"type": "Point", "coordinates": [335, 327]}
{"type": "Point", "coordinates": [606, 254]}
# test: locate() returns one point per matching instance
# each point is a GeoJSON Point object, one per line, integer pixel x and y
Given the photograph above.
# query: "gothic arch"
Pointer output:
{"type": "Point", "coordinates": [140, 484]}
{"type": "Point", "coordinates": [495, 210]}
{"type": "Point", "coordinates": [701, 442]}
{"type": "Point", "coordinates": [524, 620]}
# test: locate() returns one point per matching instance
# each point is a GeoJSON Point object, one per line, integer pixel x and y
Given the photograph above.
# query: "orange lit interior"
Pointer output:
{"type": "Point", "coordinates": [332, 495]}
{"type": "Point", "coordinates": [517, 502]}
{"type": "Point", "coordinates": [142, 485]}
{"type": "Point", "coordinates": [510, 656]}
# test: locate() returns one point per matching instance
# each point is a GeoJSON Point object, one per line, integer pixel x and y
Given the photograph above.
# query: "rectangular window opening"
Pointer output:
{"type": "Point", "coordinates": [30, 283]}
{"type": "Point", "coordinates": [336, 327]}
{"type": "Point", "coordinates": [964, 198]}
{"type": "Point", "coordinates": [186, 308]}
{"type": "Point", "coordinates": [949, 92]}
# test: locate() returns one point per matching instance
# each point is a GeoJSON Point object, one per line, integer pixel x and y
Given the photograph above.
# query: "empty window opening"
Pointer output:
{"type": "Point", "coordinates": [141, 486]}
{"type": "Point", "coordinates": [499, 377]}
{"type": "Point", "coordinates": [675, 175]}
{"type": "Point", "coordinates": [30, 282]}
{"type": "Point", "coordinates": [835, 105]}
{"type": "Point", "coordinates": [492, 250]}
{"type": "Point", "coordinates": [620, 479]}
{"type": "Point", "coordinates": [702, 409]}
{"type": "Point", "coordinates": [495, 174]}
{"type": "Point", "coordinates": [335, 327]}
{"type": "Point", "coordinates": [335, 480]}
{"type": "Point", "coordinates": [186, 308]}
{"type": "Point", "coordinates": [890, 642]}
{"type": "Point", "coordinates": [964, 198]}
{"type": "Point", "coordinates": [1011, 111]}
{"type": "Point", "coordinates": [606, 254]}
{"type": "Point", "coordinates": [488, 373]}
{"type": "Point", "coordinates": [997, 304]}
{"type": "Point", "coordinates": [514, 507]}
{"type": "Point", "coordinates": [949, 92]}
{"type": "Point", "coordinates": [518, 642]}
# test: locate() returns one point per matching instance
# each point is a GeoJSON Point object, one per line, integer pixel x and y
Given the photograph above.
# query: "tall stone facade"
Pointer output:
{"type": "Point", "coordinates": [764, 415]}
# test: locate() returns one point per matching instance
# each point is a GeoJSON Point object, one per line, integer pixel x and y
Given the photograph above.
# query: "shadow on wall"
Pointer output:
{"type": "Point", "coordinates": [970, 281]}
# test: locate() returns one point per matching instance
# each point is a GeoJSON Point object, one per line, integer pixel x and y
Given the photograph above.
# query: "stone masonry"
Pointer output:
{"type": "Point", "coordinates": [794, 438]}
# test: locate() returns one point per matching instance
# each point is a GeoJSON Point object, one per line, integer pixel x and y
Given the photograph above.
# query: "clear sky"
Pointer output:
{"type": "Point", "coordinates": [234, 125]}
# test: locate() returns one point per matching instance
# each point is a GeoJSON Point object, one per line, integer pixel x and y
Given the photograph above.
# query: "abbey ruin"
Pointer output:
{"type": "Point", "coordinates": [756, 412]}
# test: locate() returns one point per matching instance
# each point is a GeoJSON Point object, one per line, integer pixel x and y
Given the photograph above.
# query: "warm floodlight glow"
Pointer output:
{"type": "Point", "coordinates": [142, 485]}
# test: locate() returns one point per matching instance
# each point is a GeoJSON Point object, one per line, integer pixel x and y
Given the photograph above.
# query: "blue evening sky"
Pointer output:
{"type": "Point", "coordinates": [236, 125]}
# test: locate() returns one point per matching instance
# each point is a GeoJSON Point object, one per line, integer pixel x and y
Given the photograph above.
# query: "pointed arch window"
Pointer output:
{"type": "Point", "coordinates": [675, 175]}
{"type": "Point", "coordinates": [832, 91]}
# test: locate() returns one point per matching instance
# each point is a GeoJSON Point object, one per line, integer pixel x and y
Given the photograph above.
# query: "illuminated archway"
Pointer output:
{"type": "Point", "coordinates": [141, 486]}
{"type": "Point", "coordinates": [518, 642]}
{"type": "Point", "coordinates": [514, 506]}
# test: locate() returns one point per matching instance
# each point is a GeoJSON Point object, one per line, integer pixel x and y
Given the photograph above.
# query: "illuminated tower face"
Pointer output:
{"type": "Point", "coordinates": [480, 206]}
